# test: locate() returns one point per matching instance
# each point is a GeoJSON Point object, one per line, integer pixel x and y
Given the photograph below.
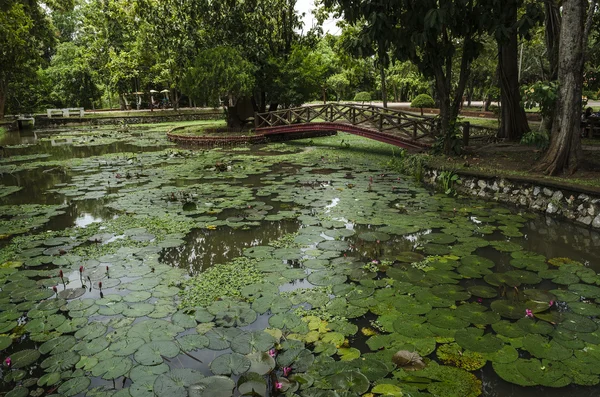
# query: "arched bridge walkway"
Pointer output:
{"type": "Point", "coordinates": [374, 122]}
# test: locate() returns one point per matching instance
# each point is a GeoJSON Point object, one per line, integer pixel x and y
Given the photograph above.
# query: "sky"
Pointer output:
{"type": "Point", "coordinates": [306, 6]}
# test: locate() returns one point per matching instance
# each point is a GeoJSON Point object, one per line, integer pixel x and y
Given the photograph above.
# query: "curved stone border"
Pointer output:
{"type": "Point", "coordinates": [257, 138]}
{"type": "Point", "coordinates": [213, 140]}
{"type": "Point", "coordinates": [579, 205]}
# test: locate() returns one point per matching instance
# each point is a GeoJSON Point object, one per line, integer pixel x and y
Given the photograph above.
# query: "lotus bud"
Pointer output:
{"type": "Point", "coordinates": [106, 269]}
{"type": "Point", "coordinates": [60, 273]}
{"type": "Point", "coordinates": [55, 289]}
{"type": "Point", "coordinates": [100, 284]}
{"type": "Point", "coordinates": [80, 269]}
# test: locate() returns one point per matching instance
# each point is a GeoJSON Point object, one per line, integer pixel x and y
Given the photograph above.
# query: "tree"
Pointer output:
{"type": "Point", "coordinates": [218, 73]}
{"type": "Point", "coordinates": [505, 13]}
{"type": "Point", "coordinates": [564, 153]}
{"type": "Point", "coordinates": [25, 37]}
{"type": "Point", "coordinates": [422, 101]}
{"type": "Point", "coordinates": [71, 77]}
{"type": "Point", "coordinates": [339, 83]}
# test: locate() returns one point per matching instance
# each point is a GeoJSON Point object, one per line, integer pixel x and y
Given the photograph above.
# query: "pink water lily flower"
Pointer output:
{"type": "Point", "coordinates": [528, 313]}
{"type": "Point", "coordinates": [287, 371]}
{"type": "Point", "coordinates": [550, 303]}
{"type": "Point", "coordinates": [272, 352]}
{"type": "Point", "coordinates": [278, 385]}
{"type": "Point", "coordinates": [7, 361]}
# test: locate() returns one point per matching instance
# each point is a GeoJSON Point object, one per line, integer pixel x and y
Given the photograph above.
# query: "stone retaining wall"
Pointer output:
{"type": "Point", "coordinates": [44, 122]}
{"type": "Point", "coordinates": [578, 205]}
{"type": "Point", "coordinates": [232, 140]}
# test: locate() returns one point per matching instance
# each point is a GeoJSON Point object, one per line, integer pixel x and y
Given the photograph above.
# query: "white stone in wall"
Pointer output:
{"type": "Point", "coordinates": [552, 208]}
{"type": "Point", "coordinates": [557, 196]}
{"type": "Point", "coordinates": [596, 222]}
{"type": "Point", "coordinates": [548, 192]}
{"type": "Point", "coordinates": [536, 191]}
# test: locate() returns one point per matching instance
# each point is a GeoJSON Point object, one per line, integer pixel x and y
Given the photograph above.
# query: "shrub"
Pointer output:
{"type": "Point", "coordinates": [362, 96]}
{"type": "Point", "coordinates": [422, 101]}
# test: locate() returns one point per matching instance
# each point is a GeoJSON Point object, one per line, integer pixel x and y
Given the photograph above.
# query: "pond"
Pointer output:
{"type": "Point", "coordinates": [132, 267]}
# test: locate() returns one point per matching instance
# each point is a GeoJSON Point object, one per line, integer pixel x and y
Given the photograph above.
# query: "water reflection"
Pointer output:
{"type": "Point", "coordinates": [205, 248]}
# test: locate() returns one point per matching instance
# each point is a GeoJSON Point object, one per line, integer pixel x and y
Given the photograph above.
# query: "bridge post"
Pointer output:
{"type": "Point", "coordinates": [466, 132]}
{"type": "Point", "coordinates": [415, 130]}
{"type": "Point", "coordinates": [256, 122]}
{"type": "Point", "coordinates": [380, 122]}
{"type": "Point", "coordinates": [353, 116]}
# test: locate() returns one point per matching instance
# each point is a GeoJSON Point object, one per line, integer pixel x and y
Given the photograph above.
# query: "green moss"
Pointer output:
{"type": "Point", "coordinates": [452, 354]}
{"type": "Point", "coordinates": [219, 281]}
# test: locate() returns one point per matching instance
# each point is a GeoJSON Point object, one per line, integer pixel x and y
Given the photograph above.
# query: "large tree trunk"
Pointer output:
{"type": "Point", "coordinates": [552, 34]}
{"type": "Point", "coordinates": [383, 85]}
{"type": "Point", "coordinates": [564, 153]}
{"type": "Point", "coordinates": [3, 92]}
{"type": "Point", "coordinates": [513, 119]}
{"type": "Point", "coordinates": [449, 107]}
{"type": "Point", "coordinates": [552, 21]}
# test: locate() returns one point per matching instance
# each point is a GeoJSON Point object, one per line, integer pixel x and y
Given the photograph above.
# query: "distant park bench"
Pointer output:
{"type": "Point", "coordinates": [591, 126]}
{"type": "Point", "coordinates": [66, 112]}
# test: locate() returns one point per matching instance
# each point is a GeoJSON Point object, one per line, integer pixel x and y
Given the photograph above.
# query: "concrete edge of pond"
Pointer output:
{"type": "Point", "coordinates": [257, 138]}
{"type": "Point", "coordinates": [574, 203]}
{"type": "Point", "coordinates": [43, 121]}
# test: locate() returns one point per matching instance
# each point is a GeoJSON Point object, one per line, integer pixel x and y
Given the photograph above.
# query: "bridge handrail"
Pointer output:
{"type": "Point", "coordinates": [378, 118]}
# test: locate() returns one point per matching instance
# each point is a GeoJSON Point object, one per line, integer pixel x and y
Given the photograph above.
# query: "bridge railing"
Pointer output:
{"type": "Point", "coordinates": [386, 120]}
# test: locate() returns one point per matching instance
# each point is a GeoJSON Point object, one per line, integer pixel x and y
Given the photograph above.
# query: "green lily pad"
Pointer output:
{"type": "Point", "coordinates": [212, 386]}
{"type": "Point", "coordinates": [231, 363]}
{"type": "Point", "coordinates": [352, 381]}
{"type": "Point", "coordinates": [541, 347]}
{"type": "Point", "coordinates": [238, 316]}
{"type": "Point", "coordinates": [250, 342]}
{"type": "Point", "coordinates": [252, 384]}
{"type": "Point", "coordinates": [24, 358]}
{"type": "Point", "coordinates": [61, 361]}
{"type": "Point", "coordinates": [175, 382]}
{"type": "Point", "coordinates": [74, 386]}
{"type": "Point", "coordinates": [152, 353]}
{"type": "Point", "coordinates": [112, 368]}
{"type": "Point", "coordinates": [474, 339]}
{"type": "Point", "coordinates": [482, 291]}
{"type": "Point", "coordinates": [192, 342]}
{"type": "Point", "coordinates": [531, 326]}
{"type": "Point", "coordinates": [261, 363]}
{"type": "Point", "coordinates": [446, 318]}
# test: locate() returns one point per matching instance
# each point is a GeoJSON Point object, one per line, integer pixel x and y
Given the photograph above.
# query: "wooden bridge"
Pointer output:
{"type": "Point", "coordinates": [381, 124]}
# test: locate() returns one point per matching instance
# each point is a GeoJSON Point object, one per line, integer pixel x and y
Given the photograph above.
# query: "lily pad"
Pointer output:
{"type": "Point", "coordinates": [74, 386]}
{"type": "Point", "coordinates": [212, 386]}
{"type": "Point", "coordinates": [24, 358]}
{"type": "Point", "coordinates": [231, 363]}
{"type": "Point", "coordinates": [153, 352]}
{"type": "Point", "coordinates": [474, 339]}
{"type": "Point", "coordinates": [175, 382]}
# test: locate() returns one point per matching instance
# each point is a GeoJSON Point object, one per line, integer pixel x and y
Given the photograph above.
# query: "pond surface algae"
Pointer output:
{"type": "Point", "coordinates": [131, 267]}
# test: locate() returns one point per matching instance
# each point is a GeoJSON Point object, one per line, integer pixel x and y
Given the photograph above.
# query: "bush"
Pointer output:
{"type": "Point", "coordinates": [422, 101]}
{"type": "Point", "coordinates": [362, 96]}
{"type": "Point", "coordinates": [590, 95]}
